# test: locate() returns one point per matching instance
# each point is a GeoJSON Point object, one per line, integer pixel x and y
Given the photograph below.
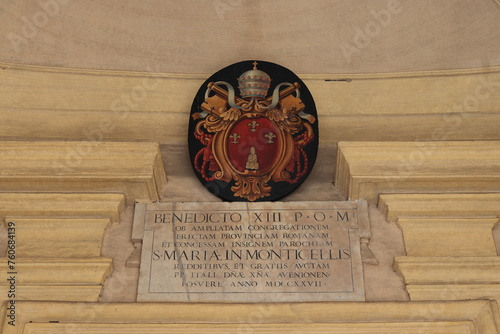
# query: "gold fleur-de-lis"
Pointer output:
{"type": "Point", "coordinates": [253, 124]}
{"type": "Point", "coordinates": [270, 136]}
{"type": "Point", "coordinates": [235, 138]}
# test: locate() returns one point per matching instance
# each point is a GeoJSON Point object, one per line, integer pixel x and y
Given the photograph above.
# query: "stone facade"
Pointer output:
{"type": "Point", "coordinates": [412, 132]}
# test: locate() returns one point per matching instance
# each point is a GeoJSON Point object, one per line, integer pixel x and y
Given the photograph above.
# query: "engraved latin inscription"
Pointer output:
{"type": "Point", "coordinates": [251, 253]}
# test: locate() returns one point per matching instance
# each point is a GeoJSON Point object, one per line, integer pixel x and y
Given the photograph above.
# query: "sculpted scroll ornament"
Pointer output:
{"type": "Point", "coordinates": [255, 138]}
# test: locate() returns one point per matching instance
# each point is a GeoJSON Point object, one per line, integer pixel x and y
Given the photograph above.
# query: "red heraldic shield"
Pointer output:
{"type": "Point", "coordinates": [253, 144]}
{"type": "Point", "coordinates": [256, 146]}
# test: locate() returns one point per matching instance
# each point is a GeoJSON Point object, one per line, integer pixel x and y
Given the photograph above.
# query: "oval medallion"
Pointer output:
{"type": "Point", "coordinates": [253, 132]}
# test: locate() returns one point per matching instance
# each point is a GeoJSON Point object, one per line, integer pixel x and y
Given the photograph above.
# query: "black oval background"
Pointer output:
{"type": "Point", "coordinates": [278, 75]}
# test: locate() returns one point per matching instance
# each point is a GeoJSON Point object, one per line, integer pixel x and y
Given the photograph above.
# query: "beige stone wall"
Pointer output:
{"type": "Point", "coordinates": [427, 71]}
{"type": "Point", "coordinates": [201, 36]}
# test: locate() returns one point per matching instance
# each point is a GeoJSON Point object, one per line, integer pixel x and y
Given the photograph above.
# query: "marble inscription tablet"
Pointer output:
{"type": "Point", "coordinates": [249, 252]}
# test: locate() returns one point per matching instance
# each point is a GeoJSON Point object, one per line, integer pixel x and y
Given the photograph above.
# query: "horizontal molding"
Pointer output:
{"type": "Point", "coordinates": [448, 236]}
{"type": "Point", "coordinates": [59, 237]}
{"type": "Point", "coordinates": [436, 105]}
{"type": "Point", "coordinates": [395, 206]}
{"type": "Point", "coordinates": [367, 169]}
{"type": "Point", "coordinates": [171, 127]}
{"type": "Point", "coordinates": [62, 205]}
{"type": "Point", "coordinates": [117, 98]}
{"type": "Point", "coordinates": [135, 169]}
{"type": "Point", "coordinates": [459, 327]}
{"type": "Point", "coordinates": [62, 271]}
{"type": "Point", "coordinates": [449, 270]}
{"type": "Point", "coordinates": [62, 293]}
{"type": "Point", "coordinates": [202, 76]}
{"type": "Point", "coordinates": [475, 316]}
{"type": "Point", "coordinates": [420, 292]}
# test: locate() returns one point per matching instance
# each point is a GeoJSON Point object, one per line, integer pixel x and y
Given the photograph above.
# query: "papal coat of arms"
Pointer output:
{"type": "Point", "coordinates": [255, 146]}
